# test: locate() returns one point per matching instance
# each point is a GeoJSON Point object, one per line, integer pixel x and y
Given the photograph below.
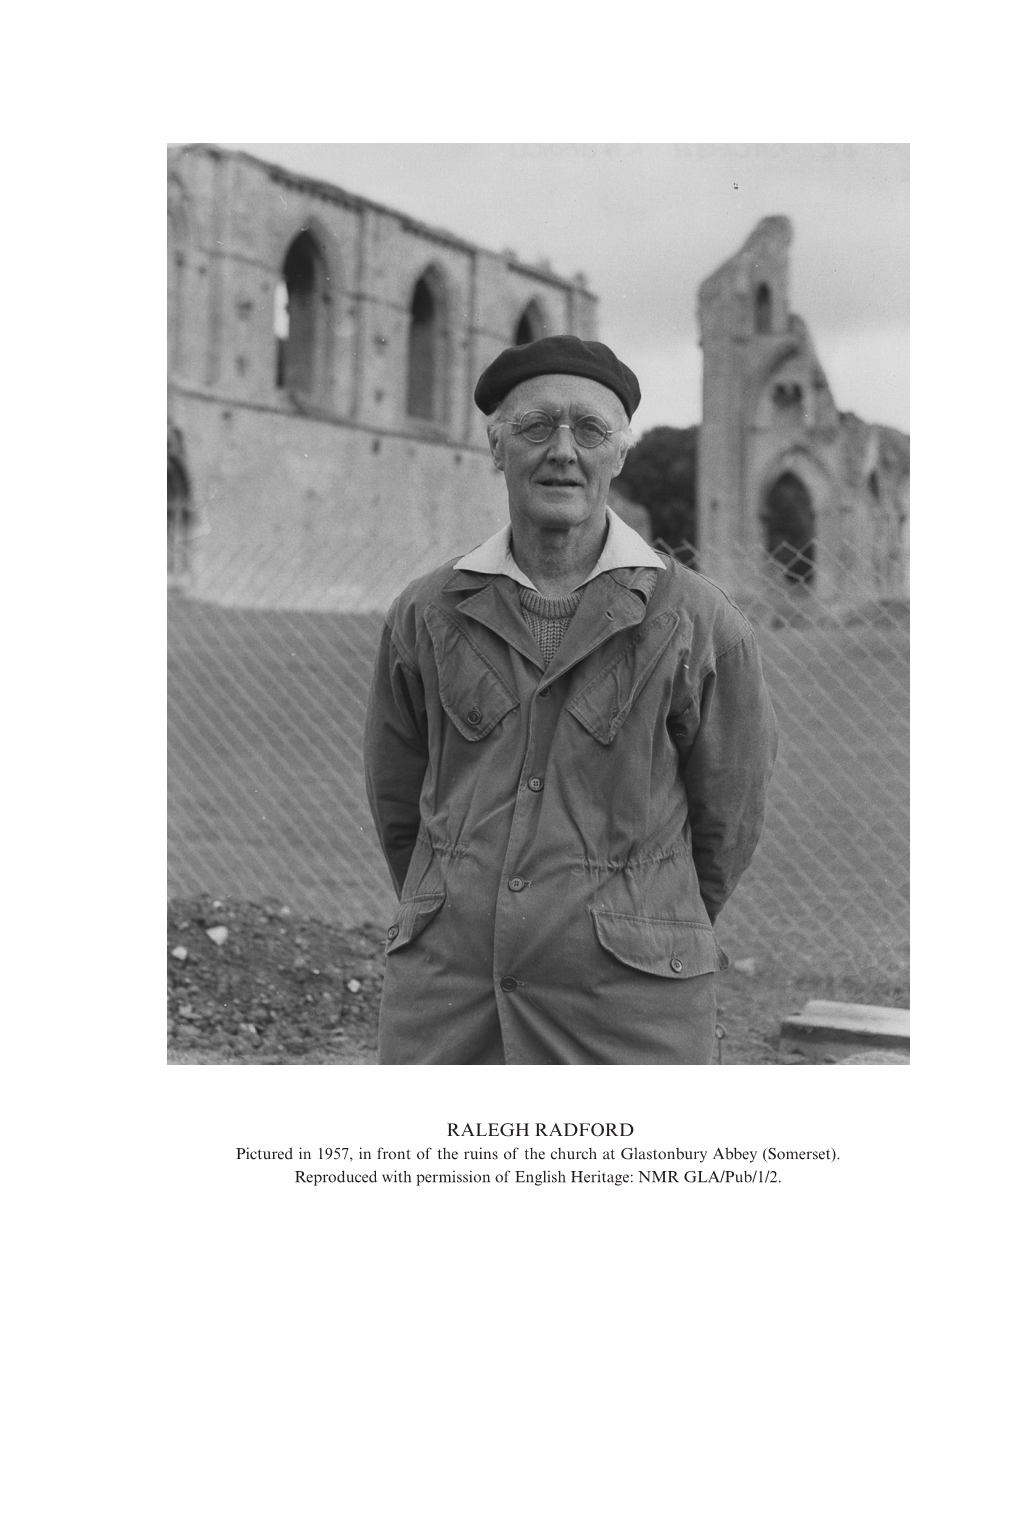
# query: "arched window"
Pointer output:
{"type": "Point", "coordinates": [790, 528]}
{"type": "Point", "coordinates": [763, 309]}
{"type": "Point", "coordinates": [788, 395]}
{"type": "Point", "coordinates": [530, 325]}
{"type": "Point", "coordinates": [178, 521]}
{"type": "Point", "coordinates": [426, 349]}
{"type": "Point", "coordinates": [300, 318]}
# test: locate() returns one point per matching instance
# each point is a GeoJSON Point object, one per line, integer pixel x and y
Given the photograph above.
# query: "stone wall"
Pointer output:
{"type": "Point", "coordinates": [322, 479]}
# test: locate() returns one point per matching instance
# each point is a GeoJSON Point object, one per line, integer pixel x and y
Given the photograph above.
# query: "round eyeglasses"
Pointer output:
{"type": "Point", "coordinates": [587, 432]}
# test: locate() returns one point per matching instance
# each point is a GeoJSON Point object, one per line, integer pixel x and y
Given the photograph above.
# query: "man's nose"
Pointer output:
{"type": "Point", "coordinates": [562, 446]}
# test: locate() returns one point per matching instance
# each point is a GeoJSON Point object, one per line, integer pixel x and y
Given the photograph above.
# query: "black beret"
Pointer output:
{"type": "Point", "coordinates": [556, 353]}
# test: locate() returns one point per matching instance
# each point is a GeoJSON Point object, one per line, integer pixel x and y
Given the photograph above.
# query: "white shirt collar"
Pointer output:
{"type": "Point", "coordinates": [624, 548]}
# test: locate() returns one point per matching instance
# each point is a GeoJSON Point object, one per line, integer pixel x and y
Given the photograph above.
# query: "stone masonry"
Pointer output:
{"type": "Point", "coordinates": [323, 445]}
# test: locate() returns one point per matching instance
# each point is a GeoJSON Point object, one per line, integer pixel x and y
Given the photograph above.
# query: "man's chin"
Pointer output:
{"type": "Point", "coordinates": [559, 507]}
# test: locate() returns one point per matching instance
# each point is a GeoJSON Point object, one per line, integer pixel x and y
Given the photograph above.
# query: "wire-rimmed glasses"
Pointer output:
{"type": "Point", "coordinates": [537, 426]}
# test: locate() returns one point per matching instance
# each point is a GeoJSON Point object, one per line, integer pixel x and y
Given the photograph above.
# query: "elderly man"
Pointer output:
{"type": "Point", "coordinates": [567, 749]}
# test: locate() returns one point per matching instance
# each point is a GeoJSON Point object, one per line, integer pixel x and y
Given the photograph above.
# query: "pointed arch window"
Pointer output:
{"type": "Point", "coordinates": [788, 395]}
{"type": "Point", "coordinates": [763, 309]}
{"type": "Point", "coordinates": [530, 326]}
{"type": "Point", "coordinates": [178, 521]}
{"type": "Point", "coordinates": [426, 353]}
{"type": "Point", "coordinates": [789, 522]}
{"type": "Point", "coordinates": [301, 318]}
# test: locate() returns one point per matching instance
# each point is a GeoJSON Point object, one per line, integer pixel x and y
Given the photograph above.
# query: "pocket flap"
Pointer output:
{"type": "Point", "coordinates": [605, 702]}
{"type": "Point", "coordinates": [412, 918]}
{"type": "Point", "coordinates": [474, 696]}
{"type": "Point", "coordinates": [659, 946]}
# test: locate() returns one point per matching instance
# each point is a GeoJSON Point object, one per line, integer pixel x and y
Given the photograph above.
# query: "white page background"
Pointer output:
{"type": "Point", "coordinates": [203, 1342]}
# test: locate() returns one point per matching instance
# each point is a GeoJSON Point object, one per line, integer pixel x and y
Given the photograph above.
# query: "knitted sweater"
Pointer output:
{"type": "Point", "coordinates": [548, 617]}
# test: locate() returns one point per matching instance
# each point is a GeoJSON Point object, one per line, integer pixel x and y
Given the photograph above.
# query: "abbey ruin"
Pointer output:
{"type": "Point", "coordinates": [323, 443]}
{"type": "Point", "coordinates": [323, 446]}
{"type": "Point", "coordinates": [786, 483]}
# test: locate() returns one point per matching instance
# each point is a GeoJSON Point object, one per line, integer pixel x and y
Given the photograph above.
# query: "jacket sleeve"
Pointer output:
{"type": "Point", "coordinates": [396, 754]}
{"type": "Point", "coordinates": [727, 751]}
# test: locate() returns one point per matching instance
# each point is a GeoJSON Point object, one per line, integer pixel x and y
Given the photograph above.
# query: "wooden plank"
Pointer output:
{"type": "Point", "coordinates": [815, 1046]}
{"type": "Point", "coordinates": [834, 1032]}
{"type": "Point", "coordinates": [853, 1019]}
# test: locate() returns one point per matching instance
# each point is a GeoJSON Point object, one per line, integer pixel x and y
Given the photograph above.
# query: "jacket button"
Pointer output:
{"type": "Point", "coordinates": [545, 691]}
{"type": "Point", "coordinates": [393, 931]}
{"type": "Point", "coordinates": [474, 716]}
{"type": "Point", "coordinates": [517, 883]}
{"type": "Point", "coordinates": [508, 984]}
{"type": "Point", "coordinates": [676, 964]}
{"type": "Point", "coordinates": [536, 783]}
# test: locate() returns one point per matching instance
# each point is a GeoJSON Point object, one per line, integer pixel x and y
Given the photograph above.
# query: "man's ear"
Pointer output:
{"type": "Point", "coordinates": [495, 449]}
{"type": "Point", "coordinates": [620, 460]}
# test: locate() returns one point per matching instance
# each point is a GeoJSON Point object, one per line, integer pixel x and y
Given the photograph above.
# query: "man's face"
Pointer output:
{"type": "Point", "coordinates": [559, 484]}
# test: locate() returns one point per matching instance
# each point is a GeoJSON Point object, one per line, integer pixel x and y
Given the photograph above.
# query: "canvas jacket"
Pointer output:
{"type": "Point", "coordinates": [561, 839]}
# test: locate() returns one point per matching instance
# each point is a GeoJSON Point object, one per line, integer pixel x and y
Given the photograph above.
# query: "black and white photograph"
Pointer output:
{"type": "Point", "coordinates": [558, 696]}
{"type": "Point", "coordinates": [541, 592]}
{"type": "Point", "coordinates": [538, 559]}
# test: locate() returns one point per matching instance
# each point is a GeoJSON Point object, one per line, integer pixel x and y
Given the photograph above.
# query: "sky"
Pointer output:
{"type": "Point", "coordinates": [646, 223]}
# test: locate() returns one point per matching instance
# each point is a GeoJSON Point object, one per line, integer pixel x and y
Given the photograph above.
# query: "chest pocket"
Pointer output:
{"type": "Point", "coordinates": [474, 695]}
{"type": "Point", "coordinates": [605, 702]}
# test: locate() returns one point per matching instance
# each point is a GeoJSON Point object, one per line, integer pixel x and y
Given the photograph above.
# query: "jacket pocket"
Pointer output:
{"type": "Point", "coordinates": [474, 696]}
{"type": "Point", "coordinates": [412, 917]}
{"type": "Point", "coordinates": [659, 946]}
{"type": "Point", "coordinates": [604, 704]}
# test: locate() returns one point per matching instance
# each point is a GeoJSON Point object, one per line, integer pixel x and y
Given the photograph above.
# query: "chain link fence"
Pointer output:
{"type": "Point", "coordinates": [267, 702]}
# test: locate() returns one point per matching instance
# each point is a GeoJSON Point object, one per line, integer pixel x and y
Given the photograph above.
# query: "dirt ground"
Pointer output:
{"type": "Point", "coordinates": [278, 990]}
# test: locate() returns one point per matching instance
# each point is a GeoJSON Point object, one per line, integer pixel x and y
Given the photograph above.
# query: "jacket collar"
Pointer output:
{"type": "Point", "coordinates": [623, 548]}
{"type": "Point", "coordinates": [493, 601]}
{"type": "Point", "coordinates": [617, 602]}
{"type": "Point", "coordinates": [640, 581]}
{"type": "Point", "coordinates": [610, 605]}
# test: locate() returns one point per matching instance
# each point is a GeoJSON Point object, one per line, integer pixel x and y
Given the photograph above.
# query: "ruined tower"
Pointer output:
{"type": "Point", "coordinates": [788, 486]}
